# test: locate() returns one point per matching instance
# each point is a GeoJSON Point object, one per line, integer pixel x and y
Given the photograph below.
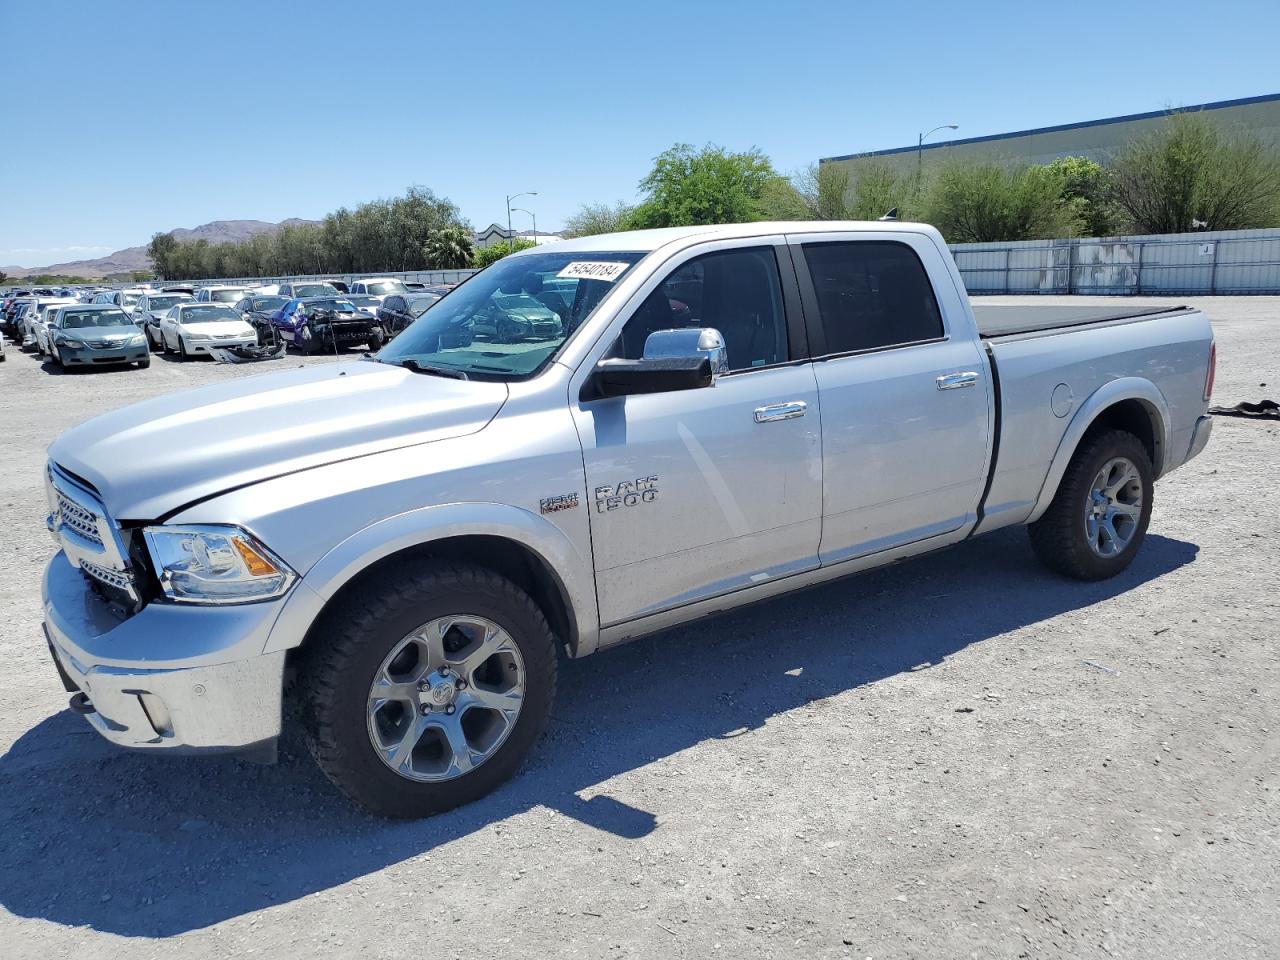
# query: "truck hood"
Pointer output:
{"type": "Point", "coordinates": [148, 459]}
{"type": "Point", "coordinates": [217, 328]}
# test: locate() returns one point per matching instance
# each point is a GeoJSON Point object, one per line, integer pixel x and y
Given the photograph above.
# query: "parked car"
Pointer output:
{"type": "Point", "coordinates": [324, 324]}
{"type": "Point", "coordinates": [179, 288]}
{"type": "Point", "coordinates": [9, 317]}
{"type": "Point", "coordinates": [401, 309]}
{"type": "Point", "coordinates": [35, 323]}
{"type": "Point", "coordinates": [93, 335]}
{"type": "Point", "coordinates": [405, 544]}
{"type": "Point", "coordinates": [221, 294]}
{"type": "Point", "coordinates": [124, 299]}
{"type": "Point", "coordinates": [378, 286]}
{"type": "Point", "coordinates": [258, 310]}
{"type": "Point", "coordinates": [192, 328]}
{"type": "Point", "coordinates": [340, 285]}
{"type": "Point", "coordinates": [306, 288]}
{"type": "Point", "coordinates": [512, 317]}
{"type": "Point", "coordinates": [15, 325]}
{"type": "Point", "coordinates": [149, 310]}
{"type": "Point", "coordinates": [363, 302]}
{"type": "Point", "coordinates": [414, 286]}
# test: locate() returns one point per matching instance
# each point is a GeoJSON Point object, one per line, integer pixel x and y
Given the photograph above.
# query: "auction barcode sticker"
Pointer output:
{"type": "Point", "coordinates": [593, 270]}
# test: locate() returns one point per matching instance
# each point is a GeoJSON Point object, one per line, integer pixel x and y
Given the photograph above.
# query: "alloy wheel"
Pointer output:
{"type": "Point", "coordinates": [1114, 507]}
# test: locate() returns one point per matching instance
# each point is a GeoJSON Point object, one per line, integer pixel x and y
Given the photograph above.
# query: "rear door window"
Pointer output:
{"type": "Point", "coordinates": [871, 294]}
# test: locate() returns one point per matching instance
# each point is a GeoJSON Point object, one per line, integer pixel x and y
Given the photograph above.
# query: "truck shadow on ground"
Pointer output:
{"type": "Point", "coordinates": [140, 845]}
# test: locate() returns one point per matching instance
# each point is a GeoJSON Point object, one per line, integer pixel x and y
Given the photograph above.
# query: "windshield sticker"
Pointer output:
{"type": "Point", "coordinates": [593, 270]}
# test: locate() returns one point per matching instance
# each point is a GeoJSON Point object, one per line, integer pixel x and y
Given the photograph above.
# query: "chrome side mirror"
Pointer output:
{"type": "Point", "coordinates": [690, 342]}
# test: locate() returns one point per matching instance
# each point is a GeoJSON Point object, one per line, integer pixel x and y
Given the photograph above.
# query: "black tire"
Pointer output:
{"type": "Point", "coordinates": [183, 356]}
{"type": "Point", "coordinates": [376, 340]}
{"type": "Point", "coordinates": [59, 359]}
{"type": "Point", "coordinates": [143, 364]}
{"type": "Point", "coordinates": [1060, 538]}
{"type": "Point", "coordinates": [346, 650]}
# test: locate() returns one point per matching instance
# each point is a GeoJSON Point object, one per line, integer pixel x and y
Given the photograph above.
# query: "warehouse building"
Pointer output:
{"type": "Point", "coordinates": [1096, 139]}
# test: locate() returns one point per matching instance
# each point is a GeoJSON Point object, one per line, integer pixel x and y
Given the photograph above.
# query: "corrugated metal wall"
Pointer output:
{"type": "Point", "coordinates": [1225, 261]}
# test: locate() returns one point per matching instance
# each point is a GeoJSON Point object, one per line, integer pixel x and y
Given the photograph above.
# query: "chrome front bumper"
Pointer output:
{"type": "Point", "coordinates": [187, 678]}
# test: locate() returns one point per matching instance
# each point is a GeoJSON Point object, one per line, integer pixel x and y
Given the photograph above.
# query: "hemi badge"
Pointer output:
{"type": "Point", "coordinates": [566, 501]}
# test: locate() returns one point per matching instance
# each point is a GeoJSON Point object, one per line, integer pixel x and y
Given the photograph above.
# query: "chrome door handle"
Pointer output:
{"type": "Point", "coordinates": [781, 411]}
{"type": "Point", "coordinates": [954, 381]}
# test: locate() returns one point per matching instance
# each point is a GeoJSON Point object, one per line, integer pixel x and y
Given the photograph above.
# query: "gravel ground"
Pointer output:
{"type": "Point", "coordinates": [961, 756]}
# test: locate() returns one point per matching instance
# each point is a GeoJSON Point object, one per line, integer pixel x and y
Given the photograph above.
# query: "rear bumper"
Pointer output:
{"type": "Point", "coordinates": [1200, 436]}
{"type": "Point", "coordinates": [191, 679]}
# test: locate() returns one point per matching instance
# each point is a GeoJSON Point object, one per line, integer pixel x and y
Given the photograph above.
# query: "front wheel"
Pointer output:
{"type": "Point", "coordinates": [1098, 518]}
{"type": "Point", "coordinates": [183, 356]}
{"type": "Point", "coordinates": [427, 693]}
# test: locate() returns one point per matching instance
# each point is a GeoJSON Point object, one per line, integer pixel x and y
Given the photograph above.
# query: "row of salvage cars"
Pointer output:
{"type": "Point", "coordinates": [230, 323]}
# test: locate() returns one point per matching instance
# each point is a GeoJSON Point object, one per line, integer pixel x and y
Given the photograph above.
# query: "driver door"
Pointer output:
{"type": "Point", "coordinates": [701, 492]}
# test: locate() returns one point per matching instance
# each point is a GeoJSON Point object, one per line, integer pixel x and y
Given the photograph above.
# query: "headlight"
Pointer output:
{"type": "Point", "coordinates": [215, 564]}
{"type": "Point", "coordinates": [136, 340]}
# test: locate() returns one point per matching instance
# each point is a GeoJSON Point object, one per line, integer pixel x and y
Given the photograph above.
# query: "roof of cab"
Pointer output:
{"type": "Point", "coordinates": [649, 240]}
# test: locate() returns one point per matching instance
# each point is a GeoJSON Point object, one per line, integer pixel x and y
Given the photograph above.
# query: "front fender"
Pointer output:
{"type": "Point", "coordinates": [1109, 394]}
{"type": "Point", "coordinates": [434, 523]}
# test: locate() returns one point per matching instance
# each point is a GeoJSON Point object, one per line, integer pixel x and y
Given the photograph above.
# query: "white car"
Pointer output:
{"type": "Point", "coordinates": [151, 308]}
{"type": "Point", "coordinates": [193, 328]}
{"type": "Point", "coordinates": [37, 322]}
{"type": "Point", "coordinates": [378, 287]}
{"type": "Point", "coordinates": [221, 294]}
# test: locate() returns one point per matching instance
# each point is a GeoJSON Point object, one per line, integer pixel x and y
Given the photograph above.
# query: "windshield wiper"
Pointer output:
{"type": "Point", "coordinates": [411, 364]}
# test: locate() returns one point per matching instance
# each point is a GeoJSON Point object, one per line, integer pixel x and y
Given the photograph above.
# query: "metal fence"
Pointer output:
{"type": "Point", "coordinates": [1221, 262]}
{"type": "Point", "coordinates": [417, 276]}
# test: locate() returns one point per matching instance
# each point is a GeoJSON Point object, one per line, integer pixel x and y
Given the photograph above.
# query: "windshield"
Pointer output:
{"type": "Point", "coordinates": [268, 303]}
{"type": "Point", "coordinates": [471, 331]}
{"type": "Point", "coordinates": [385, 287]}
{"type": "Point", "coordinates": [314, 290]}
{"type": "Point", "coordinates": [227, 296]}
{"type": "Point", "coordinates": [80, 319]}
{"type": "Point", "coordinates": [418, 305]}
{"type": "Point", "coordinates": [207, 313]}
{"type": "Point", "coordinates": [129, 299]}
{"type": "Point", "coordinates": [165, 302]}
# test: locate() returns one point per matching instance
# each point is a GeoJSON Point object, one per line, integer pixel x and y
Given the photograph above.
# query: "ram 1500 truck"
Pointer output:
{"type": "Point", "coordinates": [398, 554]}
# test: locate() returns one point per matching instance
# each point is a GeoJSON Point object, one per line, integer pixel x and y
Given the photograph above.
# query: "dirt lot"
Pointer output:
{"type": "Point", "coordinates": [961, 756]}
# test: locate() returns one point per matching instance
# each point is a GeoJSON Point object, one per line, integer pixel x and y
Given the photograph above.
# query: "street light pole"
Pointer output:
{"type": "Point", "coordinates": [535, 221]}
{"type": "Point", "coordinates": [515, 196]}
{"type": "Point", "coordinates": [920, 144]}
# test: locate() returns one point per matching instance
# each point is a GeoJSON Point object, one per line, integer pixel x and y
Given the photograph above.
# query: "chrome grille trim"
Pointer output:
{"type": "Point", "coordinates": [79, 519]}
{"type": "Point", "coordinates": [88, 536]}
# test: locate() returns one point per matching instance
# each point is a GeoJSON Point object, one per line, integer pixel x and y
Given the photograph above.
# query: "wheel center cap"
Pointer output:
{"type": "Point", "coordinates": [442, 693]}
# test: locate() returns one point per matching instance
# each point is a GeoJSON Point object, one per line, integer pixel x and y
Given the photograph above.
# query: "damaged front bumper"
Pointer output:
{"type": "Point", "coordinates": [192, 679]}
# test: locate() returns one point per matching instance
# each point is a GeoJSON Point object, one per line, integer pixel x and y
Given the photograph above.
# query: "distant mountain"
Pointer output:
{"type": "Point", "coordinates": [135, 258]}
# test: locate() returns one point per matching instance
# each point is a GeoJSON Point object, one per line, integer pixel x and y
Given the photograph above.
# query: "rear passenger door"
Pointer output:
{"type": "Point", "coordinates": [904, 391]}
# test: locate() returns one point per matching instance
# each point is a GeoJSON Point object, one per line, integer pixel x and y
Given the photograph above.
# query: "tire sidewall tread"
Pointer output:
{"type": "Point", "coordinates": [353, 640]}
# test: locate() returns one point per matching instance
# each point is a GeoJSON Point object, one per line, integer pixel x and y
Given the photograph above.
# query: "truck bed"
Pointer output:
{"type": "Point", "coordinates": [1003, 320]}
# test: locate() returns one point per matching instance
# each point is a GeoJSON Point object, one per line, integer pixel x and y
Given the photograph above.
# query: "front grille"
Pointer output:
{"type": "Point", "coordinates": [118, 579]}
{"type": "Point", "coordinates": [77, 518]}
{"type": "Point", "coordinates": [98, 547]}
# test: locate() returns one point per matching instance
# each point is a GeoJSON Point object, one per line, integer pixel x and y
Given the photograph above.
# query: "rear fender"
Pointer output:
{"type": "Point", "coordinates": [1106, 396]}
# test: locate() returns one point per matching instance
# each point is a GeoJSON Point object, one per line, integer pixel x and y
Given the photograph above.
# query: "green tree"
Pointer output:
{"type": "Point", "coordinates": [1086, 189]}
{"type": "Point", "coordinates": [3, 277]}
{"type": "Point", "coordinates": [1190, 173]}
{"type": "Point", "coordinates": [973, 203]}
{"type": "Point", "coordinates": [488, 255]}
{"type": "Point", "coordinates": [711, 185]}
{"type": "Point", "coordinates": [448, 248]}
{"type": "Point", "coordinates": [595, 218]}
{"type": "Point", "coordinates": [160, 249]}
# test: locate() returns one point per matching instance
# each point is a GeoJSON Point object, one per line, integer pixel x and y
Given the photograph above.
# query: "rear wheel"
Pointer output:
{"type": "Point", "coordinates": [425, 694]}
{"type": "Point", "coordinates": [1098, 518]}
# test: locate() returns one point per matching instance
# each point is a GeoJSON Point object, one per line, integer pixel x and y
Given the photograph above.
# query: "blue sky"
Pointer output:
{"type": "Point", "coordinates": [147, 115]}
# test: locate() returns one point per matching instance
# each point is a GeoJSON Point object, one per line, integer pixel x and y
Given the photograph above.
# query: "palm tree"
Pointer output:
{"type": "Point", "coordinates": [448, 248]}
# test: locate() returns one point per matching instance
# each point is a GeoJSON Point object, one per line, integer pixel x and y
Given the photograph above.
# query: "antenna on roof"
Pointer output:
{"type": "Point", "coordinates": [891, 215]}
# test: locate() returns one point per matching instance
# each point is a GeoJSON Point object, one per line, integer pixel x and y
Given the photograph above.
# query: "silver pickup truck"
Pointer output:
{"type": "Point", "coordinates": [394, 551]}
